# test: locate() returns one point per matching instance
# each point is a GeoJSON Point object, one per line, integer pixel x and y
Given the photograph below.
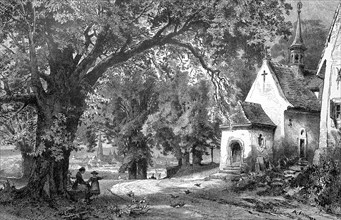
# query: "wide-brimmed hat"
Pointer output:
{"type": "Point", "coordinates": [94, 172]}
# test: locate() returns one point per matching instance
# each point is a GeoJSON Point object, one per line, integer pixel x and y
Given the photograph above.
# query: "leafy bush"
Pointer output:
{"type": "Point", "coordinates": [322, 184]}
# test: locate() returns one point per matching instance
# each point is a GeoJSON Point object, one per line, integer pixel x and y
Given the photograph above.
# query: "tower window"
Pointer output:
{"type": "Point", "coordinates": [296, 58]}
{"type": "Point", "coordinates": [335, 112]}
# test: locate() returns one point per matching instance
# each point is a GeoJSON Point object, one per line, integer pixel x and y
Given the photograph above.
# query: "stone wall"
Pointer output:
{"type": "Point", "coordinates": [297, 122]}
{"type": "Point", "coordinates": [263, 149]}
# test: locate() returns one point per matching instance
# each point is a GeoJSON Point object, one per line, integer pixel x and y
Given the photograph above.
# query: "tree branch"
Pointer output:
{"type": "Point", "coordinates": [26, 99]}
{"type": "Point", "coordinates": [194, 52]}
{"type": "Point", "coordinates": [159, 32]}
{"type": "Point", "coordinates": [117, 58]}
{"type": "Point", "coordinates": [35, 79]}
{"type": "Point", "coordinates": [220, 83]}
{"type": "Point", "coordinates": [8, 49]}
{"type": "Point", "coordinates": [143, 12]}
{"type": "Point", "coordinates": [86, 43]}
{"type": "Point", "coordinates": [45, 77]}
{"type": "Point", "coordinates": [6, 86]}
{"type": "Point", "coordinates": [89, 61]}
{"type": "Point", "coordinates": [128, 41]}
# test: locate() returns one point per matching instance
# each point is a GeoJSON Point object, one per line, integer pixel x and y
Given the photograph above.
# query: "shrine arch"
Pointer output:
{"type": "Point", "coordinates": [236, 151]}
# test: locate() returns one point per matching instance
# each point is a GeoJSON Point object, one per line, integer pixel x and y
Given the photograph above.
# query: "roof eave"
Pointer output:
{"type": "Point", "coordinates": [302, 109]}
{"type": "Point", "coordinates": [252, 125]}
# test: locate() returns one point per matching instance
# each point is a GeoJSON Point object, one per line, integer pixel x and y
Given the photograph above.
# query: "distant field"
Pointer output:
{"type": "Point", "coordinates": [10, 162]}
{"type": "Point", "coordinates": [9, 152]}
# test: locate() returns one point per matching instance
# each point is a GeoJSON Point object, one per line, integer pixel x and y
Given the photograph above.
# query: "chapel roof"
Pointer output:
{"type": "Point", "coordinates": [248, 113]}
{"type": "Point", "coordinates": [295, 89]}
{"type": "Point", "coordinates": [313, 82]}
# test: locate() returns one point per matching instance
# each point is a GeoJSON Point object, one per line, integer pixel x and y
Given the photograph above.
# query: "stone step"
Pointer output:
{"type": "Point", "coordinates": [303, 162]}
{"type": "Point", "coordinates": [230, 171]}
{"type": "Point", "coordinates": [232, 168]}
{"type": "Point", "coordinates": [225, 176]}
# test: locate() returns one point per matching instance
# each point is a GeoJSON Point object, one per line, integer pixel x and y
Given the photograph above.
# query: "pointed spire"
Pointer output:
{"type": "Point", "coordinates": [298, 37]}
{"type": "Point", "coordinates": [297, 47]}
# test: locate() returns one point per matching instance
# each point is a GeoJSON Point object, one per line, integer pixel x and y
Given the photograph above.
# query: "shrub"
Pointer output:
{"type": "Point", "coordinates": [322, 184]}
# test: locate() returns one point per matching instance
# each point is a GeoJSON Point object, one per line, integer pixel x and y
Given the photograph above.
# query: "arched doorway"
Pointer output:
{"type": "Point", "coordinates": [236, 153]}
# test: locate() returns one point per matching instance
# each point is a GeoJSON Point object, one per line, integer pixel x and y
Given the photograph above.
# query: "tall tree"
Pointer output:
{"type": "Point", "coordinates": [17, 127]}
{"type": "Point", "coordinates": [131, 98]}
{"type": "Point", "coordinates": [64, 47]}
{"type": "Point", "coordinates": [184, 122]}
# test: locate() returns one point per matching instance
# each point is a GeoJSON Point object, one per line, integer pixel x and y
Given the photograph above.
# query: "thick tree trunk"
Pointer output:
{"type": "Point", "coordinates": [27, 164]}
{"type": "Point", "coordinates": [197, 156]}
{"type": "Point", "coordinates": [185, 159]}
{"type": "Point", "coordinates": [56, 128]}
{"type": "Point", "coordinates": [100, 148]}
{"type": "Point", "coordinates": [132, 171]}
{"type": "Point", "coordinates": [142, 166]}
{"type": "Point", "coordinates": [179, 161]}
{"type": "Point", "coordinates": [48, 177]}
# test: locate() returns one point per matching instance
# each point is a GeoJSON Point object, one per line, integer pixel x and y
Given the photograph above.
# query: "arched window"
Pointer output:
{"type": "Point", "coordinates": [302, 145]}
{"type": "Point", "coordinates": [296, 58]}
{"type": "Point", "coordinates": [302, 131]}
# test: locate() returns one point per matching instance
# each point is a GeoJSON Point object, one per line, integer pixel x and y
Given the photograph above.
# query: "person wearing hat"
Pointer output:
{"type": "Point", "coordinates": [94, 184]}
{"type": "Point", "coordinates": [80, 184]}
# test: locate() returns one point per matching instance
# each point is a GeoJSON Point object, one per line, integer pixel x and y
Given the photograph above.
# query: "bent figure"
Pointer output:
{"type": "Point", "coordinates": [80, 185]}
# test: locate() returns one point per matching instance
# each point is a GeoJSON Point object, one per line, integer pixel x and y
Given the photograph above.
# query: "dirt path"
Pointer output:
{"type": "Point", "coordinates": [205, 199]}
{"type": "Point", "coordinates": [212, 200]}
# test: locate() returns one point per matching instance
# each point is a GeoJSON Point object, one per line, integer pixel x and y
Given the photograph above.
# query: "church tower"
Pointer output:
{"type": "Point", "coordinates": [297, 47]}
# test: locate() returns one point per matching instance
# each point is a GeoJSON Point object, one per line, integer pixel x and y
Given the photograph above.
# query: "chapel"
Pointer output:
{"type": "Point", "coordinates": [280, 116]}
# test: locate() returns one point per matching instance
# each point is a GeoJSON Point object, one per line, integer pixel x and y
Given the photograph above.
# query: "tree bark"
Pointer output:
{"type": "Point", "coordinates": [100, 147]}
{"type": "Point", "coordinates": [142, 166]}
{"type": "Point", "coordinates": [132, 171]}
{"type": "Point", "coordinates": [185, 159]}
{"type": "Point", "coordinates": [180, 161]}
{"type": "Point", "coordinates": [197, 156]}
{"type": "Point", "coordinates": [27, 165]}
{"type": "Point", "coordinates": [57, 124]}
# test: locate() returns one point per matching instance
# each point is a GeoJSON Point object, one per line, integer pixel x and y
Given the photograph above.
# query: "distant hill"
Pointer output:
{"type": "Point", "coordinates": [315, 9]}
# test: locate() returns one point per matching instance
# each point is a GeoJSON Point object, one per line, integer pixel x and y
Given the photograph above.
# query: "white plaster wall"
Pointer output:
{"type": "Point", "coordinates": [269, 140]}
{"type": "Point", "coordinates": [332, 56]}
{"type": "Point", "coordinates": [243, 136]}
{"type": "Point", "coordinates": [271, 98]}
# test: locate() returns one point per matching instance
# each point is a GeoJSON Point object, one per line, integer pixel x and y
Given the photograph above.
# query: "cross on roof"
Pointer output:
{"type": "Point", "coordinates": [264, 74]}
